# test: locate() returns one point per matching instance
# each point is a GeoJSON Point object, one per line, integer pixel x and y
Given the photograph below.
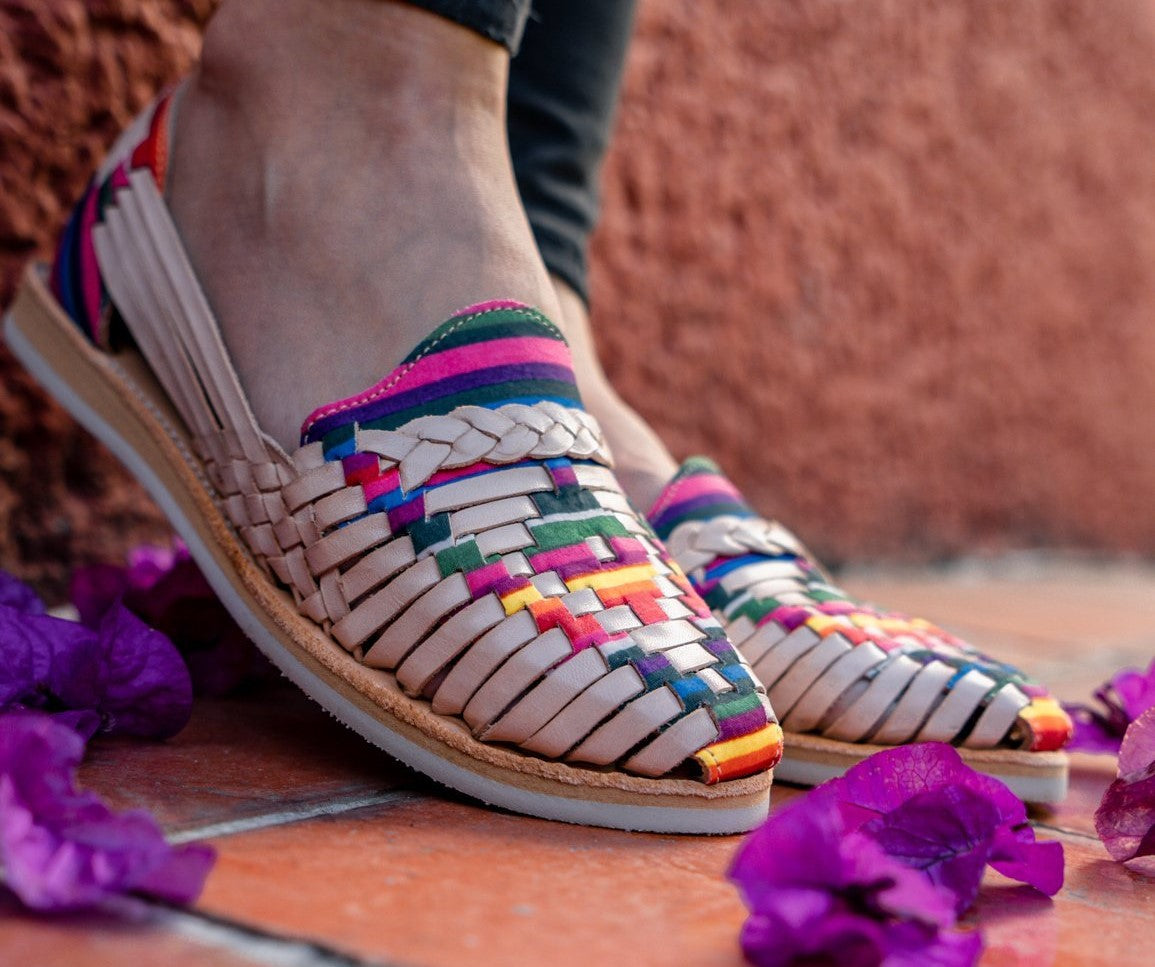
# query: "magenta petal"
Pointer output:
{"type": "Point", "coordinates": [1094, 731]}
{"type": "Point", "coordinates": [1135, 690]}
{"type": "Point", "coordinates": [61, 848]}
{"type": "Point", "coordinates": [1016, 855]}
{"type": "Point", "coordinates": [84, 722]}
{"type": "Point", "coordinates": [887, 779]}
{"type": "Point", "coordinates": [834, 938]}
{"type": "Point", "coordinates": [912, 945]}
{"type": "Point", "coordinates": [32, 649]}
{"type": "Point", "coordinates": [143, 681]}
{"type": "Point", "coordinates": [96, 588]}
{"type": "Point", "coordinates": [928, 808]}
{"type": "Point", "coordinates": [1137, 753]}
{"type": "Point", "coordinates": [19, 596]}
{"type": "Point", "coordinates": [948, 833]}
{"type": "Point", "coordinates": [1125, 819]}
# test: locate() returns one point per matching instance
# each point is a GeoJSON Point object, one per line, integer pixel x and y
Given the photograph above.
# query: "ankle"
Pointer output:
{"type": "Point", "coordinates": [279, 61]}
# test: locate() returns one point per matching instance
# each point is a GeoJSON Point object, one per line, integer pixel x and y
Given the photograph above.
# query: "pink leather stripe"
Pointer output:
{"type": "Point", "coordinates": [453, 362]}
{"type": "Point", "coordinates": [700, 485]}
{"type": "Point", "coordinates": [496, 352]}
{"type": "Point", "coordinates": [448, 476]}
{"type": "Point", "coordinates": [562, 557]}
{"type": "Point", "coordinates": [89, 269]}
{"type": "Point", "coordinates": [389, 480]}
{"type": "Point", "coordinates": [490, 306]}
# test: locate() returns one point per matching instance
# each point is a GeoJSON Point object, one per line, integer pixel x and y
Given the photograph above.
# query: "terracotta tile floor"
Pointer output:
{"type": "Point", "coordinates": [330, 853]}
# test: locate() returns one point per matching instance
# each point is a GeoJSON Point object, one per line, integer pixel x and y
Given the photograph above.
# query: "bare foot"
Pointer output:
{"type": "Point", "coordinates": [641, 461]}
{"type": "Point", "coordinates": [341, 179]}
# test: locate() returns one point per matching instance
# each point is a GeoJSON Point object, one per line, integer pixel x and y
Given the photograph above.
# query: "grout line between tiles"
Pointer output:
{"type": "Point", "coordinates": [237, 939]}
{"type": "Point", "coordinates": [1065, 832]}
{"type": "Point", "coordinates": [285, 816]}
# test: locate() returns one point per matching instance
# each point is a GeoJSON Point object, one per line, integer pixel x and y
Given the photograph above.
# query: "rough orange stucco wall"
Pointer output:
{"type": "Point", "coordinates": [898, 258]}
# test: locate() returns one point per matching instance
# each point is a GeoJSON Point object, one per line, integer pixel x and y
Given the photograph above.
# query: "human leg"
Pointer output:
{"type": "Point", "coordinates": [843, 674]}
{"type": "Point", "coordinates": [563, 92]}
{"type": "Point", "coordinates": [317, 176]}
{"type": "Point", "coordinates": [446, 562]}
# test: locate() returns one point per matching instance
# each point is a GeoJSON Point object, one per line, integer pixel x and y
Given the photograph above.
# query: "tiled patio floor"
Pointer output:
{"type": "Point", "coordinates": [330, 853]}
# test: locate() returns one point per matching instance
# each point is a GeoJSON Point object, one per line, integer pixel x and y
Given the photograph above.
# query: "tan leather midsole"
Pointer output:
{"type": "Point", "coordinates": [996, 762]}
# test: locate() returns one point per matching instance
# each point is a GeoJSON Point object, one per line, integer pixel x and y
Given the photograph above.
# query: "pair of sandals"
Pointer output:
{"type": "Point", "coordinates": [448, 565]}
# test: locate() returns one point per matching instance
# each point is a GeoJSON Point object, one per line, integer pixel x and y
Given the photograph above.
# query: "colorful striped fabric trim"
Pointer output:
{"type": "Point", "coordinates": [742, 756]}
{"type": "Point", "coordinates": [75, 277]}
{"type": "Point", "coordinates": [698, 492]}
{"type": "Point", "coordinates": [499, 354]}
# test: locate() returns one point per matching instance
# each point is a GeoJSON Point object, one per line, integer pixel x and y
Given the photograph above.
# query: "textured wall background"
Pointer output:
{"type": "Point", "coordinates": [900, 256]}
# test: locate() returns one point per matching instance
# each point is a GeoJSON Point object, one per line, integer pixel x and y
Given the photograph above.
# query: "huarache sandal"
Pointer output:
{"type": "Point", "coordinates": [447, 563]}
{"type": "Point", "coordinates": [847, 678]}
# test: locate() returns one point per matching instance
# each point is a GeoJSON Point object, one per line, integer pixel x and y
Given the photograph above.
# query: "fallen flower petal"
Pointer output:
{"type": "Point", "coordinates": [34, 648]}
{"type": "Point", "coordinates": [820, 893]}
{"type": "Point", "coordinates": [125, 673]}
{"type": "Point", "coordinates": [144, 684]}
{"type": "Point", "coordinates": [63, 849]}
{"type": "Point", "coordinates": [903, 797]}
{"type": "Point", "coordinates": [166, 589]}
{"type": "Point", "coordinates": [19, 596]}
{"type": "Point", "coordinates": [948, 833]}
{"type": "Point", "coordinates": [1125, 819]}
{"type": "Point", "coordinates": [1121, 701]}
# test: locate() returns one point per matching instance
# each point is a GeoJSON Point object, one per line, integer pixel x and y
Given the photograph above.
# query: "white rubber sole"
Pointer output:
{"type": "Point", "coordinates": [571, 801]}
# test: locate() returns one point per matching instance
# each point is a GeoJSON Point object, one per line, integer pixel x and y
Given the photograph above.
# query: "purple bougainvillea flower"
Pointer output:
{"type": "Point", "coordinates": [164, 587]}
{"type": "Point", "coordinates": [143, 685]}
{"type": "Point", "coordinates": [1122, 700]}
{"type": "Point", "coordinates": [63, 849]}
{"type": "Point", "coordinates": [122, 677]}
{"type": "Point", "coordinates": [19, 596]}
{"type": "Point", "coordinates": [821, 893]}
{"type": "Point", "coordinates": [927, 808]}
{"type": "Point", "coordinates": [1125, 819]}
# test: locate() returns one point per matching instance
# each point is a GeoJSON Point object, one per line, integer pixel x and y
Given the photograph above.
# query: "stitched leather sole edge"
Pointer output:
{"type": "Point", "coordinates": [118, 401]}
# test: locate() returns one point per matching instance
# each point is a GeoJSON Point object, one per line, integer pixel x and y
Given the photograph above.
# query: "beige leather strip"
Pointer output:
{"type": "Point", "coordinates": [350, 542]}
{"type": "Point", "coordinates": [997, 718]}
{"type": "Point", "coordinates": [640, 718]}
{"type": "Point", "coordinates": [409, 628]}
{"type": "Point", "coordinates": [546, 699]}
{"type": "Point", "coordinates": [903, 723]}
{"type": "Point", "coordinates": [586, 712]}
{"type": "Point", "coordinates": [778, 660]}
{"type": "Point", "coordinates": [860, 717]}
{"type": "Point", "coordinates": [448, 641]}
{"type": "Point", "coordinates": [812, 708]}
{"type": "Point", "coordinates": [956, 708]}
{"type": "Point", "coordinates": [382, 606]}
{"type": "Point", "coordinates": [377, 567]}
{"type": "Point", "coordinates": [482, 660]}
{"type": "Point", "coordinates": [515, 676]}
{"type": "Point", "coordinates": [484, 517]}
{"type": "Point", "coordinates": [803, 673]}
{"type": "Point", "coordinates": [673, 746]}
{"type": "Point", "coordinates": [497, 485]}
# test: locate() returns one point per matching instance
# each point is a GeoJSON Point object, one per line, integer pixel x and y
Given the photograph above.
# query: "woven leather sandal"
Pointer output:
{"type": "Point", "coordinates": [847, 678]}
{"type": "Point", "coordinates": [447, 563]}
